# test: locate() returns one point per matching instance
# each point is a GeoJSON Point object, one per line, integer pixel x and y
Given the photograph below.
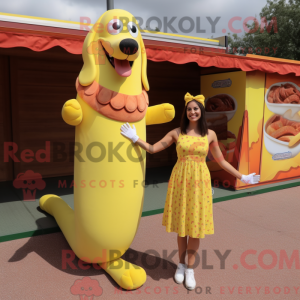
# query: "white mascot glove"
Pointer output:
{"type": "Point", "coordinates": [250, 179]}
{"type": "Point", "coordinates": [129, 132]}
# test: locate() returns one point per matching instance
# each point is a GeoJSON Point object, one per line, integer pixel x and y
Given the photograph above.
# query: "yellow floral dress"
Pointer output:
{"type": "Point", "coordinates": [188, 208]}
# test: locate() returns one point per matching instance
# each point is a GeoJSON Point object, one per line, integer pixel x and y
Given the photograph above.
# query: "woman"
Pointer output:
{"type": "Point", "coordinates": [188, 207]}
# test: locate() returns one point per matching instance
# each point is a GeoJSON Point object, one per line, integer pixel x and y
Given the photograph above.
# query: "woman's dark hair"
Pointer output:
{"type": "Point", "coordinates": [202, 125]}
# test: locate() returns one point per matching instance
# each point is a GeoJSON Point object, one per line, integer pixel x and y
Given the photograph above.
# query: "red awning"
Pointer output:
{"type": "Point", "coordinates": [220, 60]}
{"type": "Point", "coordinates": [156, 51]}
{"type": "Point", "coordinates": [39, 43]}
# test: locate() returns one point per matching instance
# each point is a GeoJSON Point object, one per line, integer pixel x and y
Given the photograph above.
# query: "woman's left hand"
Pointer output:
{"type": "Point", "coordinates": [251, 178]}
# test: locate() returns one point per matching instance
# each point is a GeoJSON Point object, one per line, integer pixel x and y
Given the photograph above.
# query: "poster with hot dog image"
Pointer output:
{"type": "Point", "coordinates": [280, 157]}
{"type": "Point", "coordinates": [224, 108]}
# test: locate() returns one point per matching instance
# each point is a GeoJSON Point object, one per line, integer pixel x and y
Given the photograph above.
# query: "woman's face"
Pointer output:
{"type": "Point", "coordinates": [193, 111]}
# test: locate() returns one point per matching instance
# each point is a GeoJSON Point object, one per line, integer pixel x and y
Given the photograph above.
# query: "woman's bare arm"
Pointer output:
{"type": "Point", "coordinates": [165, 142]}
{"type": "Point", "coordinates": [218, 156]}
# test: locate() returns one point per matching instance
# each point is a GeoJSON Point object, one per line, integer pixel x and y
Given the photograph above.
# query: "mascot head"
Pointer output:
{"type": "Point", "coordinates": [114, 49]}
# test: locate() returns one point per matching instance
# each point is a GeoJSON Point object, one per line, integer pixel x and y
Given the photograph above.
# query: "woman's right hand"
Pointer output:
{"type": "Point", "coordinates": [164, 143]}
{"type": "Point", "coordinates": [129, 132]}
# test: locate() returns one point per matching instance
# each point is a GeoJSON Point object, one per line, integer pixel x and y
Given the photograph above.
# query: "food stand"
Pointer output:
{"type": "Point", "coordinates": [41, 59]}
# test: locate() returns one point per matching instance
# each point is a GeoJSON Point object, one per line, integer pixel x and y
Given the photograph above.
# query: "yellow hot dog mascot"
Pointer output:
{"type": "Point", "coordinates": [108, 173]}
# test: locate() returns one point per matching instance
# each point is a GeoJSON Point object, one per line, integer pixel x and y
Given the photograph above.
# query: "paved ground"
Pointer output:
{"type": "Point", "coordinates": [258, 232]}
{"type": "Point", "coordinates": [20, 219]}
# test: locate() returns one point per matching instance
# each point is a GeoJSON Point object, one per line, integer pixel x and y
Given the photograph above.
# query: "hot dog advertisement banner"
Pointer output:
{"type": "Point", "coordinates": [225, 111]}
{"type": "Point", "coordinates": [280, 157]}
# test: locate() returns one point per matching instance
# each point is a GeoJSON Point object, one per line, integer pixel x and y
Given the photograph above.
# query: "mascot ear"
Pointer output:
{"type": "Point", "coordinates": [144, 65]}
{"type": "Point", "coordinates": [88, 72]}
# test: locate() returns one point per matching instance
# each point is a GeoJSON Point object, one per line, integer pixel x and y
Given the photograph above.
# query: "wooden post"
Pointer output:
{"type": "Point", "coordinates": [110, 4]}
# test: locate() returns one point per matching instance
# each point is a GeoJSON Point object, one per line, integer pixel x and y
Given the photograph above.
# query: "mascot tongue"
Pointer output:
{"type": "Point", "coordinates": [122, 67]}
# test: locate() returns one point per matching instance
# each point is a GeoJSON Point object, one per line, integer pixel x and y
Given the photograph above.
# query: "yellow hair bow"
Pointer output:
{"type": "Point", "coordinates": [188, 98]}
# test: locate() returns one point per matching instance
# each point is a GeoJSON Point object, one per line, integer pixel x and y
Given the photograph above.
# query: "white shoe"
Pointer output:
{"type": "Point", "coordinates": [190, 282]}
{"type": "Point", "coordinates": [179, 274]}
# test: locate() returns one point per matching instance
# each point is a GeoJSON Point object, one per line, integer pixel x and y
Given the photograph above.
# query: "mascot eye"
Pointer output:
{"type": "Point", "coordinates": [115, 26]}
{"type": "Point", "coordinates": [133, 29]}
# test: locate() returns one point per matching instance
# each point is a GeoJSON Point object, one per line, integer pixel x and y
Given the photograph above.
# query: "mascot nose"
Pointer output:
{"type": "Point", "coordinates": [129, 46]}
